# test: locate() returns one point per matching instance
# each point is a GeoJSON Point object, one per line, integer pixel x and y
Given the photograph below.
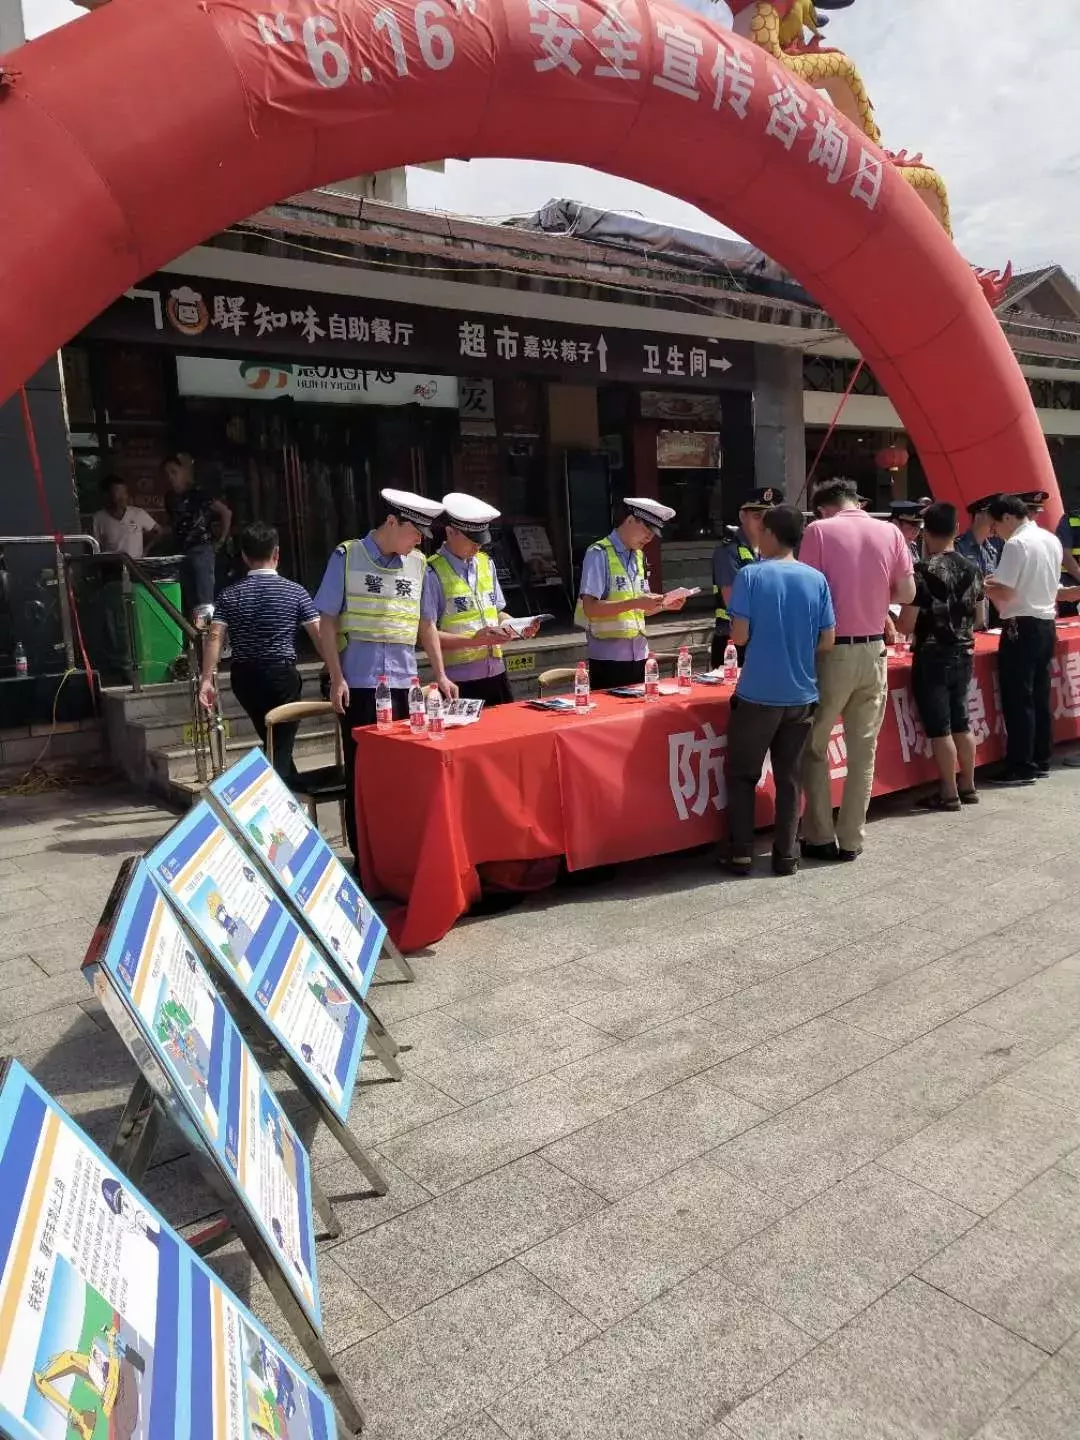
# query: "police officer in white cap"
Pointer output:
{"type": "Point", "coordinates": [464, 602]}
{"type": "Point", "coordinates": [369, 607]}
{"type": "Point", "coordinates": [615, 598]}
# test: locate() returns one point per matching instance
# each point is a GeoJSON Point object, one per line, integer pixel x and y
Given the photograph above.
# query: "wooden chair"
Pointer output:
{"type": "Point", "coordinates": [548, 679]}
{"type": "Point", "coordinates": [324, 782]}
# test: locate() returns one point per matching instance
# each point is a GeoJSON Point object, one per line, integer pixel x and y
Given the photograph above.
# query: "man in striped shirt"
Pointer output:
{"type": "Point", "coordinates": [262, 614]}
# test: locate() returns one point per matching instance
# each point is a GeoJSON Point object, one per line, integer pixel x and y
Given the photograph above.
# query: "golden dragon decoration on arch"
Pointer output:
{"type": "Point", "coordinates": [791, 32]}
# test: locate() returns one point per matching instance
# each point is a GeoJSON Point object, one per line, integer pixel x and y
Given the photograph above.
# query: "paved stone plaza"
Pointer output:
{"type": "Point", "coordinates": [677, 1158]}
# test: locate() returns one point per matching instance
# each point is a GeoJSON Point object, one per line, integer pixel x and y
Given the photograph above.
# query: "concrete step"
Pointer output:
{"type": "Point", "coordinates": [313, 747]}
{"type": "Point", "coordinates": [174, 774]}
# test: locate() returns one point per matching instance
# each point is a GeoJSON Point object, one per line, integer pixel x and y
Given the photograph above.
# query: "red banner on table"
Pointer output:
{"type": "Point", "coordinates": [628, 781]}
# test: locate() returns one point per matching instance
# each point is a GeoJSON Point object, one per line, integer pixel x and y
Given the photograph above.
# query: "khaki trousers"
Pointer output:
{"type": "Point", "coordinates": [852, 680]}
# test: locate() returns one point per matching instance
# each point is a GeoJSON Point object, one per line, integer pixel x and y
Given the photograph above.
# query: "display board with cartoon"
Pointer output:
{"type": "Point", "coordinates": [147, 964]}
{"type": "Point", "coordinates": [259, 805]}
{"type": "Point", "coordinates": [218, 891]}
{"type": "Point", "coordinates": [111, 1328]}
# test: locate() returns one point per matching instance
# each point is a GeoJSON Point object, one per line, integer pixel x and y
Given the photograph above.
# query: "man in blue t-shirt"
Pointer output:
{"type": "Point", "coordinates": [782, 612]}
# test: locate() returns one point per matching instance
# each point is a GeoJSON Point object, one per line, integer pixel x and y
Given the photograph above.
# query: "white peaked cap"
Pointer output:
{"type": "Point", "coordinates": [649, 512]}
{"type": "Point", "coordinates": [417, 509]}
{"type": "Point", "coordinates": [471, 516]}
{"type": "Point", "coordinates": [467, 510]}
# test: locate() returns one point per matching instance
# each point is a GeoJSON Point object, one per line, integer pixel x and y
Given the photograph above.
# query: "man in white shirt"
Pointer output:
{"type": "Point", "coordinates": [1024, 587]}
{"type": "Point", "coordinates": [120, 528]}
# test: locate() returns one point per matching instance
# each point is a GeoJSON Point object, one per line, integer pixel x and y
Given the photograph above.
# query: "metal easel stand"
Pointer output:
{"type": "Point", "coordinates": [131, 1152]}
{"type": "Point", "coordinates": [405, 971]}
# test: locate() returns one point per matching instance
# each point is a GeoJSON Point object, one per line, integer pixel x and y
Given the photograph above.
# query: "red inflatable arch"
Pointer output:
{"type": "Point", "coordinates": [138, 131]}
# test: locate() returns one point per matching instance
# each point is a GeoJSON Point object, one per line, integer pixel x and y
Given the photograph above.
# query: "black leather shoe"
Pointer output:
{"type": "Point", "coordinates": [739, 865]}
{"type": "Point", "coordinates": [781, 865]}
{"type": "Point", "coordinates": [848, 855]}
{"type": "Point", "coordinates": [819, 852]}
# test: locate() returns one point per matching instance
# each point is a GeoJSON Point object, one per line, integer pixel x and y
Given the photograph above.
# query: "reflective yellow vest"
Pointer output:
{"type": "Point", "coordinates": [746, 557]}
{"type": "Point", "coordinates": [631, 623]}
{"type": "Point", "coordinates": [467, 610]}
{"type": "Point", "coordinates": [1074, 532]}
{"type": "Point", "coordinates": [382, 602]}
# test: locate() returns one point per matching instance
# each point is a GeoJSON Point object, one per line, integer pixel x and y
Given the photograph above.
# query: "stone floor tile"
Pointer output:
{"type": "Point", "coordinates": [1070, 1163]}
{"type": "Point", "coordinates": [40, 993]}
{"type": "Point", "coordinates": [1042, 1009]}
{"type": "Point", "coordinates": [473, 1141]}
{"type": "Point", "coordinates": [802, 1151]}
{"type": "Point", "coordinates": [987, 1149]}
{"type": "Point", "coordinates": [1021, 1265]}
{"type": "Point", "coordinates": [665, 1373]}
{"type": "Point", "coordinates": [528, 1000]}
{"type": "Point", "coordinates": [640, 1067]}
{"type": "Point", "coordinates": [612, 1262]}
{"type": "Point", "coordinates": [823, 1263]}
{"type": "Point", "coordinates": [480, 1427]}
{"type": "Point", "coordinates": [435, 985]}
{"type": "Point", "coordinates": [944, 1068]}
{"type": "Point", "coordinates": [434, 1248]}
{"type": "Point", "coordinates": [917, 1002]}
{"type": "Point", "coordinates": [471, 1071]}
{"type": "Point", "coordinates": [634, 1146]}
{"type": "Point", "coordinates": [359, 1208]}
{"type": "Point", "coordinates": [18, 970]}
{"type": "Point", "coordinates": [1046, 1407]}
{"type": "Point", "coordinates": [348, 1314]}
{"type": "Point", "coordinates": [437, 1368]}
{"type": "Point", "coordinates": [1055, 1075]}
{"type": "Point", "coordinates": [787, 1069]}
{"type": "Point", "coordinates": [914, 1365]}
{"type": "Point", "coordinates": [761, 1011]}
{"type": "Point", "coordinates": [381, 1110]}
{"type": "Point", "coordinates": [46, 1031]}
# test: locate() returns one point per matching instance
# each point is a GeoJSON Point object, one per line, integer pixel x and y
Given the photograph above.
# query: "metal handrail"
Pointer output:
{"type": "Point", "coordinates": [207, 726]}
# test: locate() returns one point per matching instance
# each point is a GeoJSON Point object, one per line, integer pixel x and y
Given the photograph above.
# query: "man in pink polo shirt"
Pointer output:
{"type": "Point", "coordinates": [868, 567]}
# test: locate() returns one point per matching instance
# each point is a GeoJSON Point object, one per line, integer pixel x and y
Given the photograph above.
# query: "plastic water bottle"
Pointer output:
{"type": "Point", "coordinates": [685, 668]}
{"type": "Point", "coordinates": [417, 711]}
{"type": "Point", "coordinates": [731, 664]}
{"type": "Point", "coordinates": [436, 725]}
{"type": "Point", "coordinates": [652, 678]}
{"type": "Point", "coordinates": [21, 667]}
{"type": "Point", "coordinates": [581, 687]}
{"type": "Point", "coordinates": [384, 705]}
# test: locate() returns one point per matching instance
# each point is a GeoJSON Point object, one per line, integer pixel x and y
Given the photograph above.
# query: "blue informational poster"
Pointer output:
{"type": "Point", "coordinates": [213, 1084]}
{"type": "Point", "coordinates": [260, 805]}
{"type": "Point", "coordinates": [220, 894]}
{"type": "Point", "coordinates": [111, 1328]}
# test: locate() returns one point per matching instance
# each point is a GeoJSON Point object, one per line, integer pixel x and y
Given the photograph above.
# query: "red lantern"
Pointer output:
{"type": "Point", "coordinates": [892, 458]}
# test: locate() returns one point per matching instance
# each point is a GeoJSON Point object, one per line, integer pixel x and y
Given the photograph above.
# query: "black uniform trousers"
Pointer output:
{"type": "Point", "coordinates": [492, 689]}
{"type": "Point", "coordinates": [361, 711]}
{"type": "Point", "coordinates": [607, 674]}
{"type": "Point", "coordinates": [260, 689]}
{"type": "Point", "coordinates": [1024, 658]}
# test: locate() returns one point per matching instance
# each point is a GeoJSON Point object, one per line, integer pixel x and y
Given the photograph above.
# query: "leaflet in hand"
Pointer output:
{"type": "Point", "coordinates": [520, 623]}
{"type": "Point", "coordinates": [682, 593]}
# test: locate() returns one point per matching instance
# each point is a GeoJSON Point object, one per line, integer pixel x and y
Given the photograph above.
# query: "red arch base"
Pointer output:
{"type": "Point", "coordinates": [138, 131]}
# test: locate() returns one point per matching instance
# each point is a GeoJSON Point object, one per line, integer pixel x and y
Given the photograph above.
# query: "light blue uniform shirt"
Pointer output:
{"type": "Point", "coordinates": [433, 605]}
{"type": "Point", "coordinates": [596, 582]}
{"type": "Point", "coordinates": [363, 661]}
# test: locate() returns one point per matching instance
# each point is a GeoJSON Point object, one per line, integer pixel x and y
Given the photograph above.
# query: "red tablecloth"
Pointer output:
{"type": "Point", "coordinates": [626, 781]}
